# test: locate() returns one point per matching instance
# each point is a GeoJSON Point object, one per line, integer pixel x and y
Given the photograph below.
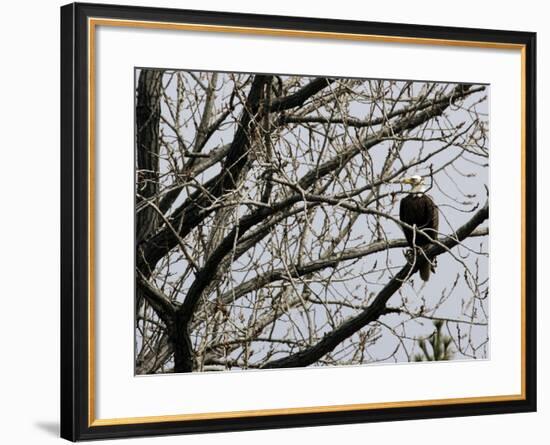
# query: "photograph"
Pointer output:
{"type": "Point", "coordinates": [285, 220]}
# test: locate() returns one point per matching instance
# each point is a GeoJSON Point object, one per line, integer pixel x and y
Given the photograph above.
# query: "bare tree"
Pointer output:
{"type": "Point", "coordinates": [267, 229]}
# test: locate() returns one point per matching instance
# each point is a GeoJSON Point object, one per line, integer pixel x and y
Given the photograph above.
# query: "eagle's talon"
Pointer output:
{"type": "Point", "coordinates": [433, 265]}
{"type": "Point", "coordinates": [409, 255]}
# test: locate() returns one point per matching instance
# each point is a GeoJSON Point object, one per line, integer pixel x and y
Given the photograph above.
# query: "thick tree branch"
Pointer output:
{"type": "Point", "coordinates": [159, 302]}
{"type": "Point", "coordinates": [299, 97]}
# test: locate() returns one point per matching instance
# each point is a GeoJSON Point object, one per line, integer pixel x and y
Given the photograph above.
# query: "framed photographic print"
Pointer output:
{"type": "Point", "coordinates": [282, 221]}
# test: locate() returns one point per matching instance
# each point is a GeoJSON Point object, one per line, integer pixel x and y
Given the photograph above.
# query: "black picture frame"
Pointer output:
{"type": "Point", "coordinates": [76, 423]}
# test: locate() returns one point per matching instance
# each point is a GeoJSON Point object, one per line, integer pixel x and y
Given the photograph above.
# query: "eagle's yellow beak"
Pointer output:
{"type": "Point", "coordinates": [406, 181]}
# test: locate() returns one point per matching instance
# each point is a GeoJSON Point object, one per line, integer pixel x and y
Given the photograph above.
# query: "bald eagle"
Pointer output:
{"type": "Point", "coordinates": [418, 210]}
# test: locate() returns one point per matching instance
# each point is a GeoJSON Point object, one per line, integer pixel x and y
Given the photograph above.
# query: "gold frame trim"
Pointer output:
{"type": "Point", "coordinates": [92, 24]}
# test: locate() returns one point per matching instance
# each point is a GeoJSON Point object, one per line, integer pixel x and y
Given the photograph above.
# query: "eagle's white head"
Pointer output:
{"type": "Point", "coordinates": [417, 183]}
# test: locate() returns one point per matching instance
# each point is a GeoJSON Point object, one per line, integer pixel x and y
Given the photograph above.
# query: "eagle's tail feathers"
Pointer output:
{"type": "Point", "coordinates": [425, 269]}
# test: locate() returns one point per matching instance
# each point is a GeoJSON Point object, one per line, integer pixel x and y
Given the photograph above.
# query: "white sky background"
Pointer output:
{"type": "Point", "coordinates": [445, 190]}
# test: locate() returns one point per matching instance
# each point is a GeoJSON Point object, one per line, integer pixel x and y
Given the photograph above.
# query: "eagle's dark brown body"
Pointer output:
{"type": "Point", "coordinates": [420, 210]}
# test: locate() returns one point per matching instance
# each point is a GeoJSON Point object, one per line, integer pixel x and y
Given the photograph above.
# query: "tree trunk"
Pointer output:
{"type": "Point", "coordinates": [147, 140]}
